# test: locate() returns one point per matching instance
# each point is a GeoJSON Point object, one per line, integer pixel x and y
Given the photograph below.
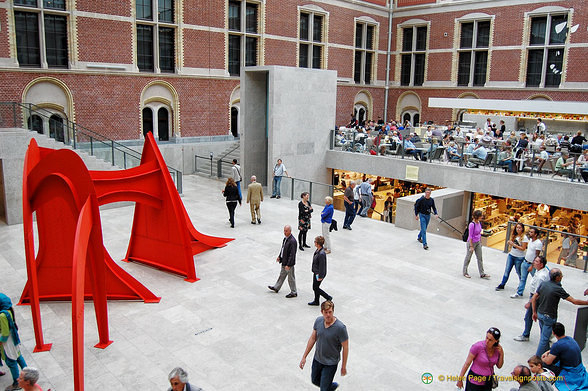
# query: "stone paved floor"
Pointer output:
{"type": "Point", "coordinates": [407, 311]}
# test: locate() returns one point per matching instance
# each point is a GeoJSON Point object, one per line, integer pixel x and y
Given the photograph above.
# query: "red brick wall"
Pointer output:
{"type": "Point", "coordinates": [205, 12]}
{"type": "Point", "coordinates": [280, 52]}
{"type": "Point", "coordinates": [119, 7]}
{"type": "Point", "coordinates": [204, 49]}
{"type": "Point", "coordinates": [93, 34]}
{"type": "Point", "coordinates": [405, 3]}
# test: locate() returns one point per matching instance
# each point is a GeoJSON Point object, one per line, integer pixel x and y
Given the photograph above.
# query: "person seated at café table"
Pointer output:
{"type": "Point", "coordinates": [478, 155]}
{"type": "Point", "coordinates": [410, 149]}
{"type": "Point", "coordinates": [452, 151]}
{"type": "Point", "coordinates": [582, 165]}
{"type": "Point", "coordinates": [541, 158]}
{"type": "Point", "coordinates": [505, 158]}
{"type": "Point", "coordinates": [562, 164]}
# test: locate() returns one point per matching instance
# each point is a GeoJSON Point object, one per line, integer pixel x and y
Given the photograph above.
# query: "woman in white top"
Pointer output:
{"type": "Point", "coordinates": [516, 256]}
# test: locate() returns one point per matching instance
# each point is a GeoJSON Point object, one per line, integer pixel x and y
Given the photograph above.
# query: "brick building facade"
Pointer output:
{"type": "Point", "coordinates": [171, 66]}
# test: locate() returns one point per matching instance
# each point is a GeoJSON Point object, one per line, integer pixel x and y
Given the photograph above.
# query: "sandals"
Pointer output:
{"type": "Point", "coordinates": [466, 275]}
{"type": "Point", "coordinates": [485, 276]}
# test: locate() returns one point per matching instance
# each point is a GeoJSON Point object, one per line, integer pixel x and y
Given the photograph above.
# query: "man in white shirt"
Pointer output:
{"type": "Point", "coordinates": [541, 128]}
{"type": "Point", "coordinates": [534, 246]}
{"type": "Point", "coordinates": [541, 275]}
{"type": "Point", "coordinates": [236, 171]}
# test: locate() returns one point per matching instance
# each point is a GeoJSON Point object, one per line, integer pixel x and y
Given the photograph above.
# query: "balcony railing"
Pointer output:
{"type": "Point", "coordinates": [524, 162]}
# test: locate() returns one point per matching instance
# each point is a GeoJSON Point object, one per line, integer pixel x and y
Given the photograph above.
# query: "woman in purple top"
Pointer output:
{"type": "Point", "coordinates": [474, 245]}
{"type": "Point", "coordinates": [483, 356]}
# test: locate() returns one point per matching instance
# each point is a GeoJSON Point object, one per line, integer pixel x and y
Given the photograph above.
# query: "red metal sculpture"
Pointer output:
{"type": "Point", "coordinates": [65, 196]}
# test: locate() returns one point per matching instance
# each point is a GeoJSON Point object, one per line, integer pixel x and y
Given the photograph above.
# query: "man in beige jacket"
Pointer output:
{"type": "Point", "coordinates": [254, 199]}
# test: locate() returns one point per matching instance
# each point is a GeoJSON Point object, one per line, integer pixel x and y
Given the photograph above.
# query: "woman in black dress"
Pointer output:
{"type": "Point", "coordinates": [231, 193]}
{"type": "Point", "coordinates": [304, 214]}
{"type": "Point", "coordinates": [319, 271]}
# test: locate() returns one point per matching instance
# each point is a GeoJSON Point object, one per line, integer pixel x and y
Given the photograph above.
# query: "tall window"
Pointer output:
{"type": "Point", "coordinates": [244, 35]}
{"type": "Point", "coordinates": [414, 46]}
{"type": "Point", "coordinates": [311, 45]}
{"type": "Point", "coordinates": [156, 35]}
{"type": "Point", "coordinates": [546, 50]}
{"type": "Point", "coordinates": [473, 53]}
{"type": "Point", "coordinates": [41, 33]}
{"type": "Point", "coordinates": [364, 52]}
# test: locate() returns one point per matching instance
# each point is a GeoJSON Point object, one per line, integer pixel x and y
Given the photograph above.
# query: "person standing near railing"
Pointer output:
{"type": "Point", "coordinates": [236, 170]}
{"type": "Point", "coordinates": [279, 172]}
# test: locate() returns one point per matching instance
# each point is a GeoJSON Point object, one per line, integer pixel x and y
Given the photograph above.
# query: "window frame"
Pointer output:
{"type": "Point", "coordinates": [244, 35]}
{"type": "Point", "coordinates": [310, 43]}
{"type": "Point", "coordinates": [363, 52]}
{"type": "Point", "coordinates": [474, 50]}
{"type": "Point", "coordinates": [414, 52]}
{"type": "Point", "coordinates": [41, 11]}
{"type": "Point", "coordinates": [546, 47]}
{"type": "Point", "coordinates": [158, 26]}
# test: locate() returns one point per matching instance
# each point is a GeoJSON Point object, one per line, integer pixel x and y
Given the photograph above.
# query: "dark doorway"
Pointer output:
{"type": "Point", "coordinates": [56, 128]}
{"type": "Point", "coordinates": [235, 122]}
{"type": "Point", "coordinates": [163, 124]}
{"type": "Point", "coordinates": [147, 121]}
{"type": "Point", "coordinates": [36, 123]}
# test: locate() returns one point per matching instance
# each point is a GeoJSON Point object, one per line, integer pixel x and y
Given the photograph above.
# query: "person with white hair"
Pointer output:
{"type": "Point", "coordinates": [28, 379]}
{"type": "Point", "coordinates": [178, 378]}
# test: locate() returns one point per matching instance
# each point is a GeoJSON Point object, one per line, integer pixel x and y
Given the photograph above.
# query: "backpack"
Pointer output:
{"type": "Point", "coordinates": [466, 234]}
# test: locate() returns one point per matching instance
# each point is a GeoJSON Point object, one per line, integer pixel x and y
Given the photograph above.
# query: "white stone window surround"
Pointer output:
{"type": "Point", "coordinates": [312, 10]}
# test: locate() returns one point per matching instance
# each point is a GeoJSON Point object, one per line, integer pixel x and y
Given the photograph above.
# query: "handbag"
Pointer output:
{"type": "Point", "coordinates": [493, 378]}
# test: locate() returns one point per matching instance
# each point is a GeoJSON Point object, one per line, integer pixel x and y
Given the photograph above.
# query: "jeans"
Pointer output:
{"type": "Point", "coordinates": [528, 319]}
{"type": "Point", "coordinates": [512, 261]}
{"type": "Point", "coordinates": [239, 188]}
{"type": "Point", "coordinates": [366, 200]}
{"type": "Point", "coordinates": [546, 323]}
{"type": "Point", "coordinates": [349, 214]}
{"type": "Point", "coordinates": [524, 273]}
{"type": "Point", "coordinates": [424, 219]}
{"type": "Point", "coordinates": [276, 189]}
{"type": "Point", "coordinates": [322, 375]}
{"type": "Point", "coordinates": [507, 163]}
{"type": "Point", "coordinates": [12, 365]}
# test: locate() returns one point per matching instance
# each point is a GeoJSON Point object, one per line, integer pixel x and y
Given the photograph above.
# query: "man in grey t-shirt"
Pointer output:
{"type": "Point", "coordinates": [330, 335]}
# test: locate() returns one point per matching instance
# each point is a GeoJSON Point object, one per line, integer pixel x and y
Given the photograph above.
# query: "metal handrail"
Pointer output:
{"type": "Point", "coordinates": [540, 229]}
{"type": "Point", "coordinates": [27, 110]}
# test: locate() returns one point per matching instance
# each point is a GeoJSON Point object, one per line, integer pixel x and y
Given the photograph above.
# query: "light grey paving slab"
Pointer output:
{"type": "Point", "coordinates": [407, 311]}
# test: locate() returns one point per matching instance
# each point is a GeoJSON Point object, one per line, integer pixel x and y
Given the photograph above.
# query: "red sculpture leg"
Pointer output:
{"type": "Point", "coordinates": [32, 158]}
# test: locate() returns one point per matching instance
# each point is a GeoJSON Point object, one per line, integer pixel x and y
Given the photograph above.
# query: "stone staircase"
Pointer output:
{"type": "Point", "coordinates": [227, 156]}
{"type": "Point", "coordinates": [13, 146]}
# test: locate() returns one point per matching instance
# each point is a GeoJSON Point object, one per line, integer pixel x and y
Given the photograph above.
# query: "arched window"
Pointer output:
{"type": "Point", "coordinates": [163, 124]}
{"type": "Point", "coordinates": [35, 123]}
{"type": "Point", "coordinates": [359, 112]}
{"type": "Point", "coordinates": [147, 120]}
{"type": "Point", "coordinates": [234, 121]}
{"type": "Point", "coordinates": [56, 128]}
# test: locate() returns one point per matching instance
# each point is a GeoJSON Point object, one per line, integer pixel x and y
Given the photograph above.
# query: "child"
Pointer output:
{"type": "Point", "coordinates": [10, 341]}
{"type": "Point", "coordinates": [543, 377]}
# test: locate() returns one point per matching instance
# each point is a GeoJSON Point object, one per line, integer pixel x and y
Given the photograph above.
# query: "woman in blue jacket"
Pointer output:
{"type": "Point", "coordinates": [326, 220]}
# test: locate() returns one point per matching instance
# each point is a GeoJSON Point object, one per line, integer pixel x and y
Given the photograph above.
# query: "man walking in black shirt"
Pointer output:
{"type": "Point", "coordinates": [422, 212]}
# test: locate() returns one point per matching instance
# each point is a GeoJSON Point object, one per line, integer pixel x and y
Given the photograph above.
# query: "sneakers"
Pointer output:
{"type": "Point", "coordinates": [420, 240]}
{"type": "Point", "coordinates": [425, 247]}
{"type": "Point", "coordinates": [521, 338]}
{"type": "Point", "coordinates": [499, 288]}
{"type": "Point", "coordinates": [515, 296]}
{"type": "Point", "coordinates": [334, 386]}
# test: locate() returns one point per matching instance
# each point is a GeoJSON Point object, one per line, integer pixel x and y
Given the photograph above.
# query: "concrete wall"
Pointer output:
{"type": "Point", "coordinates": [522, 187]}
{"type": "Point", "coordinates": [452, 206]}
{"type": "Point", "coordinates": [301, 108]}
{"type": "Point", "coordinates": [252, 121]}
